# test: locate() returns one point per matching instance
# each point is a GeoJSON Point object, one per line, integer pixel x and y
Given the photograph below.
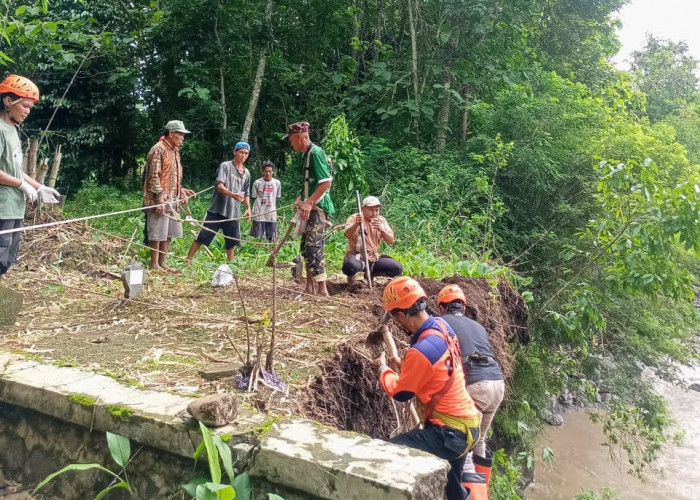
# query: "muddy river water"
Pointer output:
{"type": "Point", "coordinates": [581, 463]}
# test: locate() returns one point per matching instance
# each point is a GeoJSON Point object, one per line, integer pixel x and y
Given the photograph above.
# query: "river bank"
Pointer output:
{"type": "Point", "coordinates": [583, 463]}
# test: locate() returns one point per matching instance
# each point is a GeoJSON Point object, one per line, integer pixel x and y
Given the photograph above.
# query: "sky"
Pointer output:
{"type": "Point", "coordinates": [676, 20]}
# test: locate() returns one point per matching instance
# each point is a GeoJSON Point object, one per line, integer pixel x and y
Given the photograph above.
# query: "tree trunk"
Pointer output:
{"type": "Point", "coordinates": [255, 95]}
{"type": "Point", "coordinates": [257, 84]}
{"type": "Point", "coordinates": [414, 64]}
{"type": "Point", "coordinates": [414, 49]}
{"type": "Point", "coordinates": [224, 121]}
{"type": "Point", "coordinates": [465, 115]}
{"type": "Point", "coordinates": [378, 28]}
{"type": "Point", "coordinates": [443, 118]}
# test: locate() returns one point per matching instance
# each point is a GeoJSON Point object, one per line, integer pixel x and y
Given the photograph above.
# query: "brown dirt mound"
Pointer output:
{"type": "Point", "coordinates": [69, 246]}
{"type": "Point", "coordinates": [347, 395]}
{"type": "Point", "coordinates": [501, 311]}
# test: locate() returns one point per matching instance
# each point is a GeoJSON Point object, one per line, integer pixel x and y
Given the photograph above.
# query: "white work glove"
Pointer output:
{"type": "Point", "coordinates": [48, 195]}
{"type": "Point", "coordinates": [30, 193]}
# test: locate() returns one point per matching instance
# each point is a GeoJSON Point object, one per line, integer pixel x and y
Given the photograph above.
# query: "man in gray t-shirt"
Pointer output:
{"type": "Point", "coordinates": [224, 212]}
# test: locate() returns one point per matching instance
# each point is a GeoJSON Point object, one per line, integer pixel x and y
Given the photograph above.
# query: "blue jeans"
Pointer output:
{"type": "Point", "coordinates": [443, 442]}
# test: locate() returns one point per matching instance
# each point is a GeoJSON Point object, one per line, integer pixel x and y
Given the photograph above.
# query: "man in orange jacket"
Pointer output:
{"type": "Point", "coordinates": [431, 371]}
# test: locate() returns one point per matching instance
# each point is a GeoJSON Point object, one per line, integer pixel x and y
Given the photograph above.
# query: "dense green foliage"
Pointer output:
{"type": "Point", "coordinates": [502, 142]}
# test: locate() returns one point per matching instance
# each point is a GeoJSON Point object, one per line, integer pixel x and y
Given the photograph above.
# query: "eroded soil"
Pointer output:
{"type": "Point", "coordinates": [74, 314]}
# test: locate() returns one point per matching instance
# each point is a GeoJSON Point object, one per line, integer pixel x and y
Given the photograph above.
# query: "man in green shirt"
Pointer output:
{"type": "Point", "coordinates": [18, 95]}
{"type": "Point", "coordinates": [314, 206]}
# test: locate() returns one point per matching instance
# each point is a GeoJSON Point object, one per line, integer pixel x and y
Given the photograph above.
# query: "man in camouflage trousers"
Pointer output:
{"type": "Point", "coordinates": [314, 206]}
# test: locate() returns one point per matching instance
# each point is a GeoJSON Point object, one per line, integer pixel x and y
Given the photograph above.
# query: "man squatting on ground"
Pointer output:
{"type": "Point", "coordinates": [18, 95]}
{"type": "Point", "coordinates": [266, 192]}
{"type": "Point", "coordinates": [224, 212]}
{"type": "Point", "coordinates": [163, 185]}
{"type": "Point", "coordinates": [314, 206]}
{"type": "Point", "coordinates": [484, 377]}
{"type": "Point", "coordinates": [376, 230]}
{"type": "Point", "coordinates": [431, 371]}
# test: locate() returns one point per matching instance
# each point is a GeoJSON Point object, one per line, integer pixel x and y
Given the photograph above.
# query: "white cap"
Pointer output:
{"type": "Point", "coordinates": [371, 201]}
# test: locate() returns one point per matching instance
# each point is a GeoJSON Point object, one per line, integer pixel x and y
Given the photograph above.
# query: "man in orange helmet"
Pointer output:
{"type": "Point", "coordinates": [484, 378]}
{"type": "Point", "coordinates": [18, 95]}
{"type": "Point", "coordinates": [431, 371]}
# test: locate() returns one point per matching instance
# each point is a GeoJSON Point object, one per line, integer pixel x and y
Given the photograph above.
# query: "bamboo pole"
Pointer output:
{"type": "Point", "coordinates": [55, 167]}
{"type": "Point", "coordinates": [31, 159]}
{"type": "Point", "coordinates": [43, 169]}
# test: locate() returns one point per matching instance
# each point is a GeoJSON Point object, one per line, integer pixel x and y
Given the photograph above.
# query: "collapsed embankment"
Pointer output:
{"type": "Point", "coordinates": [347, 395]}
{"type": "Point", "coordinates": [74, 315]}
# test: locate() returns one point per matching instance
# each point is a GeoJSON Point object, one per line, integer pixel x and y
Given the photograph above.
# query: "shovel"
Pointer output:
{"type": "Point", "coordinates": [383, 334]}
{"type": "Point", "coordinates": [296, 222]}
{"type": "Point", "coordinates": [271, 260]}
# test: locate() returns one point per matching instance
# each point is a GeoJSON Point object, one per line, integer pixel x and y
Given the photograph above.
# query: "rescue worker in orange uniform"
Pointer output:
{"type": "Point", "coordinates": [484, 377]}
{"type": "Point", "coordinates": [431, 371]}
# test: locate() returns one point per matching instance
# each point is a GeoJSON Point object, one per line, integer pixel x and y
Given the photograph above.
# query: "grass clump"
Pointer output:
{"type": "Point", "coordinates": [119, 411]}
{"type": "Point", "coordinates": [83, 400]}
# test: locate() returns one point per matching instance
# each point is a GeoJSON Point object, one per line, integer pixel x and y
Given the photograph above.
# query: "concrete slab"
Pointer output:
{"type": "Point", "coordinates": [98, 402]}
{"type": "Point", "coordinates": [336, 465]}
{"type": "Point", "coordinates": [314, 460]}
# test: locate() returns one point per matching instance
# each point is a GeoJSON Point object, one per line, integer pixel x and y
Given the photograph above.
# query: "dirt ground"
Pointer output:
{"type": "Point", "coordinates": [74, 314]}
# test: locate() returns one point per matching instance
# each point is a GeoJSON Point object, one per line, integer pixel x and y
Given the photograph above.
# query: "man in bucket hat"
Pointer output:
{"type": "Point", "coordinates": [314, 206]}
{"type": "Point", "coordinates": [163, 192]}
{"type": "Point", "coordinates": [377, 229]}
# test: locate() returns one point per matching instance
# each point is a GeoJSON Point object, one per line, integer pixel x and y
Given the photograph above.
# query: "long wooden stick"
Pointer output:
{"type": "Point", "coordinates": [394, 353]}
{"type": "Point", "coordinates": [368, 273]}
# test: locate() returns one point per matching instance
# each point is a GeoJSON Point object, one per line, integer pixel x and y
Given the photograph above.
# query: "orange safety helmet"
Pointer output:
{"type": "Point", "coordinates": [449, 294]}
{"type": "Point", "coordinates": [401, 293]}
{"type": "Point", "coordinates": [20, 86]}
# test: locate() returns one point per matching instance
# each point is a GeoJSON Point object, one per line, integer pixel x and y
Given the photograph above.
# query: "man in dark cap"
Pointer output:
{"type": "Point", "coordinates": [314, 206]}
{"type": "Point", "coordinates": [224, 212]}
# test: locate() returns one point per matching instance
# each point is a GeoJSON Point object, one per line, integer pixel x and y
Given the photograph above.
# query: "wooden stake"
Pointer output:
{"type": "Point", "coordinates": [55, 167]}
{"type": "Point", "coordinates": [247, 327]}
{"type": "Point", "coordinates": [271, 353]}
{"type": "Point", "coordinates": [31, 159]}
{"type": "Point", "coordinates": [43, 169]}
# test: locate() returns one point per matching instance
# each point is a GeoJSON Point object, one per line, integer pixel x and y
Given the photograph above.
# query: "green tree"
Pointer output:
{"type": "Point", "coordinates": [665, 71]}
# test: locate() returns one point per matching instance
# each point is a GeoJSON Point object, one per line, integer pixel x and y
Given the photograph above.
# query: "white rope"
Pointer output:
{"type": "Point", "coordinates": [88, 217]}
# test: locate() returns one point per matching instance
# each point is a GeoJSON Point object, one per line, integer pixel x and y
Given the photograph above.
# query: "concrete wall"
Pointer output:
{"type": "Point", "coordinates": [33, 445]}
{"type": "Point", "coordinates": [52, 416]}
